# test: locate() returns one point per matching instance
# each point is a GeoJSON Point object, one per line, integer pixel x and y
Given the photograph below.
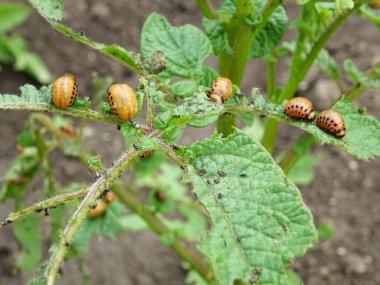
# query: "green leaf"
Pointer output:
{"type": "Point", "coordinates": [184, 88]}
{"type": "Point", "coordinates": [185, 48]}
{"type": "Point", "coordinates": [372, 14]}
{"type": "Point", "coordinates": [328, 64]}
{"type": "Point", "coordinates": [12, 15]}
{"type": "Point", "coordinates": [18, 176]}
{"type": "Point", "coordinates": [360, 77]}
{"type": "Point", "coordinates": [216, 34]}
{"type": "Point", "coordinates": [325, 232]}
{"type": "Point", "coordinates": [50, 9]}
{"type": "Point", "coordinates": [258, 220]}
{"type": "Point", "coordinates": [209, 74]}
{"type": "Point", "coordinates": [29, 94]}
{"type": "Point", "coordinates": [271, 34]}
{"type": "Point", "coordinates": [28, 234]}
{"type": "Point", "coordinates": [302, 172]}
{"type": "Point", "coordinates": [195, 107]}
{"type": "Point", "coordinates": [23, 60]}
{"type": "Point", "coordinates": [293, 278]}
{"type": "Point", "coordinates": [344, 4]}
{"type": "Point", "coordinates": [363, 132]}
{"type": "Point", "coordinates": [130, 134]}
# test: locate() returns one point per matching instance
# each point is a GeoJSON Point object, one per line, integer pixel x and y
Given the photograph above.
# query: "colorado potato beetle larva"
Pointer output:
{"type": "Point", "coordinates": [332, 122]}
{"type": "Point", "coordinates": [300, 108]}
{"type": "Point", "coordinates": [221, 89]}
{"type": "Point", "coordinates": [123, 101]}
{"type": "Point", "coordinates": [65, 89]}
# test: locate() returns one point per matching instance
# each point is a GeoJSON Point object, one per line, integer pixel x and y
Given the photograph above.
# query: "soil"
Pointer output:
{"type": "Point", "coordinates": [345, 193]}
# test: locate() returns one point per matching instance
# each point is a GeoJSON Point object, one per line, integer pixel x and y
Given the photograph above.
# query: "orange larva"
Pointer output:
{"type": "Point", "coordinates": [375, 5]}
{"type": "Point", "coordinates": [123, 101]}
{"type": "Point", "coordinates": [65, 89]}
{"type": "Point", "coordinates": [221, 89]}
{"type": "Point", "coordinates": [110, 197]}
{"type": "Point", "coordinates": [98, 211]}
{"type": "Point", "coordinates": [332, 122]}
{"type": "Point", "coordinates": [300, 108]}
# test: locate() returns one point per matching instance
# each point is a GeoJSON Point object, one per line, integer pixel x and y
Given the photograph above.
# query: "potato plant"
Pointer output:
{"type": "Point", "coordinates": [246, 214]}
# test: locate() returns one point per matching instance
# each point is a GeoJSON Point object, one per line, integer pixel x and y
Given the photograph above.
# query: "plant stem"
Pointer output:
{"type": "Point", "coordinates": [271, 79]}
{"type": "Point", "coordinates": [96, 189]}
{"type": "Point", "coordinates": [270, 134]}
{"type": "Point", "coordinates": [179, 246]}
{"type": "Point", "coordinates": [49, 203]}
{"type": "Point", "coordinates": [207, 8]}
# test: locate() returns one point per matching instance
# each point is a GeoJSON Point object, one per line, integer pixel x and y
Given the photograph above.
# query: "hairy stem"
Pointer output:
{"type": "Point", "coordinates": [47, 204]}
{"type": "Point", "coordinates": [207, 8]}
{"type": "Point", "coordinates": [179, 246]}
{"type": "Point", "coordinates": [94, 192]}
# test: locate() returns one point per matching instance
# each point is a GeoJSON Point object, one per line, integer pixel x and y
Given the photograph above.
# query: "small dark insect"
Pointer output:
{"type": "Point", "coordinates": [222, 173]}
{"type": "Point", "coordinates": [97, 175]}
{"type": "Point", "coordinates": [123, 101]}
{"type": "Point", "coordinates": [39, 210]}
{"type": "Point", "coordinates": [65, 89]}
{"type": "Point", "coordinates": [81, 33]}
{"type": "Point", "coordinates": [332, 122]}
{"type": "Point", "coordinates": [160, 196]}
{"type": "Point", "coordinates": [177, 116]}
{"type": "Point", "coordinates": [175, 147]}
{"type": "Point", "coordinates": [263, 116]}
{"type": "Point", "coordinates": [208, 181]}
{"type": "Point", "coordinates": [147, 154]}
{"type": "Point", "coordinates": [216, 180]}
{"type": "Point", "coordinates": [221, 89]}
{"type": "Point", "coordinates": [238, 239]}
{"type": "Point", "coordinates": [46, 213]}
{"type": "Point", "coordinates": [202, 171]}
{"type": "Point", "coordinates": [67, 244]}
{"type": "Point", "coordinates": [243, 175]}
{"type": "Point", "coordinates": [219, 196]}
{"type": "Point", "coordinates": [104, 193]}
{"type": "Point", "coordinates": [300, 108]}
{"type": "Point", "coordinates": [136, 147]}
{"type": "Point", "coordinates": [118, 127]}
{"type": "Point", "coordinates": [362, 110]}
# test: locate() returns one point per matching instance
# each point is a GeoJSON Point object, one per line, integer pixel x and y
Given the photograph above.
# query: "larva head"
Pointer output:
{"type": "Point", "coordinates": [64, 92]}
{"type": "Point", "coordinates": [216, 97]}
{"type": "Point", "coordinates": [123, 101]}
{"type": "Point", "coordinates": [375, 5]}
{"type": "Point", "coordinates": [110, 197]}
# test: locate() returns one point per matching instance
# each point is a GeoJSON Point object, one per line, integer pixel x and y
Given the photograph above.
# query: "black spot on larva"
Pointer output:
{"type": "Point", "coordinates": [72, 97]}
{"type": "Point", "coordinates": [113, 104]}
{"type": "Point", "coordinates": [335, 124]}
{"type": "Point", "coordinates": [301, 107]}
{"type": "Point", "coordinates": [296, 106]}
{"type": "Point", "coordinates": [222, 173]}
{"type": "Point", "coordinates": [292, 106]}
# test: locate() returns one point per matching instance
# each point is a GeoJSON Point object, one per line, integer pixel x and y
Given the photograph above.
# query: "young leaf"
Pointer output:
{"type": "Point", "coordinates": [363, 131]}
{"type": "Point", "coordinates": [271, 34]}
{"type": "Point", "coordinates": [185, 48]}
{"type": "Point", "coordinates": [344, 4]}
{"type": "Point", "coordinates": [29, 94]}
{"type": "Point", "coordinates": [302, 173]}
{"type": "Point", "coordinates": [28, 235]}
{"type": "Point", "coordinates": [50, 9]}
{"type": "Point", "coordinates": [371, 13]}
{"type": "Point", "coordinates": [12, 15]}
{"type": "Point", "coordinates": [256, 213]}
{"type": "Point", "coordinates": [354, 72]}
{"type": "Point", "coordinates": [184, 88]}
{"type": "Point", "coordinates": [328, 64]}
{"type": "Point", "coordinates": [23, 60]}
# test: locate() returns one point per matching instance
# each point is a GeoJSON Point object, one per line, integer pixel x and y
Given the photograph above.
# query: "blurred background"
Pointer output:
{"type": "Point", "coordinates": [344, 196]}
